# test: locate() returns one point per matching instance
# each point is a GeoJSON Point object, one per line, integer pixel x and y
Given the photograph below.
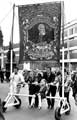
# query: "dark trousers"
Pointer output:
{"type": "Point", "coordinates": [66, 94]}
{"type": "Point", "coordinates": [33, 89]}
{"type": "Point", "coordinates": [1, 114]}
{"type": "Point", "coordinates": [2, 79]}
{"type": "Point", "coordinates": [31, 92]}
{"type": "Point", "coordinates": [52, 91]}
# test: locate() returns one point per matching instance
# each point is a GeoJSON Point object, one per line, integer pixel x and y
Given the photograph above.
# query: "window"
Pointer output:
{"type": "Point", "coordinates": [74, 51]}
{"type": "Point", "coordinates": [61, 35]}
{"type": "Point", "coordinates": [65, 44]}
{"type": "Point", "coordinates": [65, 33]}
{"type": "Point", "coordinates": [71, 31]}
{"type": "Point", "coordinates": [76, 29]}
{"type": "Point", "coordinates": [65, 54]}
{"type": "Point", "coordinates": [73, 54]}
{"type": "Point", "coordinates": [72, 38]}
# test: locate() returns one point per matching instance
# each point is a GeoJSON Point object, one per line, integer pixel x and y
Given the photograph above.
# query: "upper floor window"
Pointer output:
{"type": "Point", "coordinates": [65, 34]}
{"type": "Point", "coordinates": [71, 31]}
{"type": "Point", "coordinates": [72, 38]}
{"type": "Point", "coordinates": [74, 51]}
{"type": "Point", "coordinates": [76, 29]}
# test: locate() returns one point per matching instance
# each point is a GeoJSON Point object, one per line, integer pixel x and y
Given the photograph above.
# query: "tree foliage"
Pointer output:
{"type": "Point", "coordinates": [1, 38]}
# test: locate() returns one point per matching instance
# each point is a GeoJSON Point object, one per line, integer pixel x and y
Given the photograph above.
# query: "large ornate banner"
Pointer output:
{"type": "Point", "coordinates": [39, 26]}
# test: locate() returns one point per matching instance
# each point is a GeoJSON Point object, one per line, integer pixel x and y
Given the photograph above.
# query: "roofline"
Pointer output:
{"type": "Point", "coordinates": [70, 23]}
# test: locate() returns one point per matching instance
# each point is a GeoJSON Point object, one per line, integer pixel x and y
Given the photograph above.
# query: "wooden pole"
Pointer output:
{"type": "Point", "coordinates": [11, 63]}
{"type": "Point", "coordinates": [62, 15]}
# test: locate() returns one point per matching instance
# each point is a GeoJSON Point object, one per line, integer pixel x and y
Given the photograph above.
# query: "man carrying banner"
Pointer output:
{"type": "Point", "coordinates": [50, 78]}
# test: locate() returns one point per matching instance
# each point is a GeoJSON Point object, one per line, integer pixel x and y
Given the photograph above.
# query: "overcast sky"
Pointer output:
{"type": "Point", "coordinates": [6, 15]}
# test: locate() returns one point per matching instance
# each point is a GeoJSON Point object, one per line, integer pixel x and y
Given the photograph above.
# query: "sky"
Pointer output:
{"type": "Point", "coordinates": [6, 12]}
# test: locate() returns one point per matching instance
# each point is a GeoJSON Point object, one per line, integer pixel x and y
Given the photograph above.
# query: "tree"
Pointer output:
{"type": "Point", "coordinates": [9, 53]}
{"type": "Point", "coordinates": [1, 38]}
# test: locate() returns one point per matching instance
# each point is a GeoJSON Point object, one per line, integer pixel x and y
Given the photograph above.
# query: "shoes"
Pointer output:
{"type": "Point", "coordinates": [32, 106]}
{"type": "Point", "coordinates": [51, 107]}
{"type": "Point", "coordinates": [29, 106]}
{"type": "Point", "coordinates": [39, 107]}
{"type": "Point", "coordinates": [48, 107]}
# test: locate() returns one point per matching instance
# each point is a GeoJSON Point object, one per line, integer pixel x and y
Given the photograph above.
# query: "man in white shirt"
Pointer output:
{"type": "Point", "coordinates": [16, 79]}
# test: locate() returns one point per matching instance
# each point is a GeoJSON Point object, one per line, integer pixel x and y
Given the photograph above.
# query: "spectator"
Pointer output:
{"type": "Point", "coordinates": [1, 114]}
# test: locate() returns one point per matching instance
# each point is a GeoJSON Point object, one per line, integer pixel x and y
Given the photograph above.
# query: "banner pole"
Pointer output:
{"type": "Point", "coordinates": [62, 14]}
{"type": "Point", "coordinates": [11, 63]}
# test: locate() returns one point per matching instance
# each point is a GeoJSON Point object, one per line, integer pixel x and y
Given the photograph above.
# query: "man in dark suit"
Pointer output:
{"type": "Point", "coordinates": [50, 78]}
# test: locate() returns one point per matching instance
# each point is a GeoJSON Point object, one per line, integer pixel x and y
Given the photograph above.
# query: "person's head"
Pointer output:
{"type": "Point", "coordinates": [15, 70]}
{"type": "Point", "coordinates": [43, 82]}
{"type": "Point", "coordinates": [25, 72]}
{"type": "Point", "coordinates": [41, 28]}
{"type": "Point", "coordinates": [76, 99]}
{"type": "Point", "coordinates": [48, 70]}
{"type": "Point", "coordinates": [39, 75]}
{"type": "Point", "coordinates": [59, 75]}
{"type": "Point", "coordinates": [31, 74]}
{"type": "Point", "coordinates": [65, 72]}
{"type": "Point", "coordinates": [36, 78]}
{"type": "Point", "coordinates": [75, 73]}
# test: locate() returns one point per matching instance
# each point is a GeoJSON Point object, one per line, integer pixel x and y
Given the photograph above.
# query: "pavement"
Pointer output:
{"type": "Point", "coordinates": [25, 113]}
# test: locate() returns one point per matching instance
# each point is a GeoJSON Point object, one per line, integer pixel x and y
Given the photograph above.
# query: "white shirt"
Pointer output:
{"type": "Point", "coordinates": [16, 78]}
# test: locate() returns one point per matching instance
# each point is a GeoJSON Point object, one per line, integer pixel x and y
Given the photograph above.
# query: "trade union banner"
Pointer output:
{"type": "Point", "coordinates": [39, 26]}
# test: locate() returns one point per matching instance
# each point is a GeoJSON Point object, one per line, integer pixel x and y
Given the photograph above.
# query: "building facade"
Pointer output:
{"type": "Point", "coordinates": [70, 45]}
{"type": "Point", "coordinates": [70, 48]}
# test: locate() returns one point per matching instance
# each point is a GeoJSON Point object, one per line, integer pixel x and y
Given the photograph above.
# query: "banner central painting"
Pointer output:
{"type": "Point", "coordinates": [39, 26]}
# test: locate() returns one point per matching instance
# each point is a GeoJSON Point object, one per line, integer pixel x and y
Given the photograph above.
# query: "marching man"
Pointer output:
{"type": "Point", "coordinates": [16, 79]}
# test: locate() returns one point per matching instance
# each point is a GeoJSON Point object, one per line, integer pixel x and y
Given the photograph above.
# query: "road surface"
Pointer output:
{"type": "Point", "coordinates": [25, 113]}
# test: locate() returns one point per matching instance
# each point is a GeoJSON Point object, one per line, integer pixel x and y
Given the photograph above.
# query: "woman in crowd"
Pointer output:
{"type": "Point", "coordinates": [33, 87]}
{"type": "Point", "coordinates": [67, 84]}
{"type": "Point", "coordinates": [30, 81]}
{"type": "Point", "coordinates": [74, 86]}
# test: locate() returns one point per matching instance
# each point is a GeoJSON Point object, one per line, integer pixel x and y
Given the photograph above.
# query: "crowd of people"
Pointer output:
{"type": "Point", "coordinates": [4, 75]}
{"type": "Point", "coordinates": [42, 84]}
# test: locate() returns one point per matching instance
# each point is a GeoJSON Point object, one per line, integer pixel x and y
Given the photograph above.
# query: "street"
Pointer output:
{"type": "Point", "coordinates": [25, 113]}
